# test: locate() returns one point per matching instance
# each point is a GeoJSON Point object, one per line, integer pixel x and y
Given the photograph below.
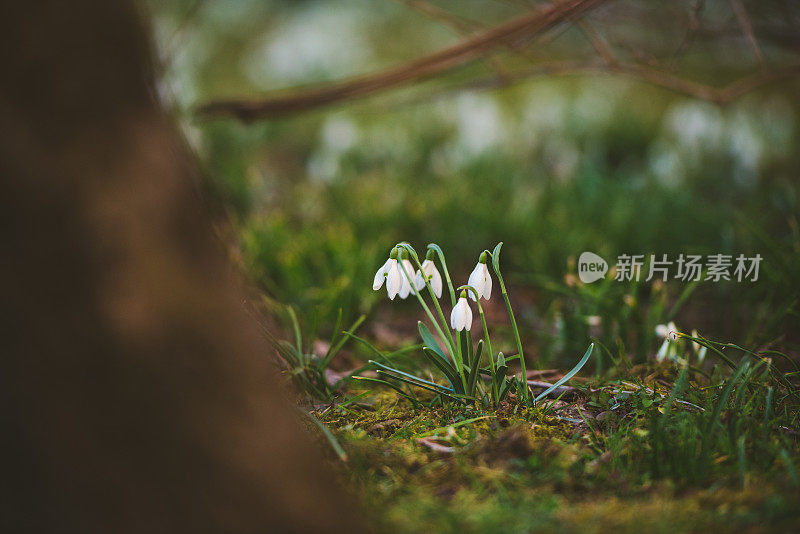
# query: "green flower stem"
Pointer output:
{"type": "Point", "coordinates": [435, 300]}
{"type": "Point", "coordinates": [441, 314]}
{"type": "Point", "coordinates": [413, 254]}
{"type": "Point", "coordinates": [488, 341]}
{"type": "Point", "coordinates": [496, 265]}
{"type": "Point", "coordinates": [468, 353]}
{"type": "Point", "coordinates": [422, 302]}
{"type": "Point", "coordinates": [455, 352]}
{"type": "Point", "coordinates": [491, 354]}
{"type": "Point", "coordinates": [440, 253]}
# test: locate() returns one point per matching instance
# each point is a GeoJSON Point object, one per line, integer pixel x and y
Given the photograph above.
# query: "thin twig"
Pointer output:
{"type": "Point", "coordinates": [172, 44]}
{"type": "Point", "coordinates": [718, 95]}
{"type": "Point", "coordinates": [462, 25]}
{"type": "Point", "coordinates": [599, 43]}
{"type": "Point", "coordinates": [747, 29]}
{"type": "Point", "coordinates": [692, 27]}
{"type": "Point", "coordinates": [433, 445]}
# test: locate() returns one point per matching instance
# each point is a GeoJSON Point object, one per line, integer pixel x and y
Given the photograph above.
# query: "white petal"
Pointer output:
{"type": "Point", "coordinates": [423, 274]}
{"type": "Point", "coordinates": [436, 283]}
{"type": "Point", "coordinates": [405, 288]}
{"type": "Point", "coordinates": [476, 280]}
{"type": "Point", "coordinates": [419, 281]}
{"type": "Point", "coordinates": [380, 276]}
{"type": "Point", "coordinates": [461, 316]}
{"type": "Point", "coordinates": [393, 280]}
{"type": "Point", "coordinates": [408, 267]}
{"type": "Point", "coordinates": [487, 288]}
{"type": "Point", "coordinates": [454, 317]}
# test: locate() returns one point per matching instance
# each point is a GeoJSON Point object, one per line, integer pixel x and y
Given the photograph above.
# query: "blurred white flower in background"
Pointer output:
{"type": "Point", "coordinates": [667, 332]}
{"type": "Point", "coordinates": [479, 123]}
{"type": "Point", "coordinates": [315, 42]}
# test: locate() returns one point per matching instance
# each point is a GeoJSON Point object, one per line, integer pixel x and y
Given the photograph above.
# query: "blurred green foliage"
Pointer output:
{"type": "Point", "coordinates": [550, 167]}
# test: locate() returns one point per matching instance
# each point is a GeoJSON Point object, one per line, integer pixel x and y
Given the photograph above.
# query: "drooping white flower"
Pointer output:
{"type": "Point", "coordinates": [667, 330]}
{"type": "Point", "coordinates": [405, 287]}
{"type": "Point", "coordinates": [394, 280]}
{"type": "Point", "coordinates": [480, 279]}
{"type": "Point", "coordinates": [461, 316]}
{"type": "Point", "coordinates": [431, 273]}
{"type": "Point", "coordinates": [390, 272]}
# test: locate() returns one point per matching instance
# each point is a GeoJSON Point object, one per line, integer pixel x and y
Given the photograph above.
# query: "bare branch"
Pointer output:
{"type": "Point", "coordinates": [513, 35]}
{"type": "Point", "coordinates": [532, 23]}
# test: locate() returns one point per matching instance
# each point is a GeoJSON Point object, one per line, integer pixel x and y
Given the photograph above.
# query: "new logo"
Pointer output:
{"type": "Point", "coordinates": [591, 267]}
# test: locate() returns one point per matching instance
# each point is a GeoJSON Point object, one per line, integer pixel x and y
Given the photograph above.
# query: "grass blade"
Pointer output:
{"type": "Point", "coordinates": [337, 447]}
{"type": "Point", "coordinates": [567, 376]}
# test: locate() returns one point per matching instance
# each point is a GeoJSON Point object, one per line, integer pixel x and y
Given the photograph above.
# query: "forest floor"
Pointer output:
{"type": "Point", "coordinates": [645, 451]}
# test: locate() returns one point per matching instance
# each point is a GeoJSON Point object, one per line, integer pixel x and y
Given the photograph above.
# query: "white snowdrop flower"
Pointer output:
{"type": "Point", "coordinates": [461, 316]}
{"type": "Point", "coordinates": [405, 287]}
{"type": "Point", "coordinates": [667, 330]}
{"type": "Point", "coordinates": [480, 279]}
{"type": "Point", "coordinates": [390, 272]}
{"type": "Point", "coordinates": [429, 271]}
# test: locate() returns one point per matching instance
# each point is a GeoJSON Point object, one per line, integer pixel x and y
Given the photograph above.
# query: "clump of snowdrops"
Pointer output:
{"type": "Point", "coordinates": [471, 376]}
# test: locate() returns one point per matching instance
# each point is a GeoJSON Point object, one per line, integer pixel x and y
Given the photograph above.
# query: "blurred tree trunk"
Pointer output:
{"type": "Point", "coordinates": [137, 396]}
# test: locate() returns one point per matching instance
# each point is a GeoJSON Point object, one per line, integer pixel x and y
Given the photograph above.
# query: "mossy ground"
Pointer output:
{"type": "Point", "coordinates": [462, 469]}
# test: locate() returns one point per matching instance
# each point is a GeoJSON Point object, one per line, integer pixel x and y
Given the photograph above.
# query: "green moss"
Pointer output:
{"type": "Point", "coordinates": [457, 468]}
